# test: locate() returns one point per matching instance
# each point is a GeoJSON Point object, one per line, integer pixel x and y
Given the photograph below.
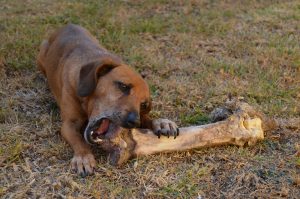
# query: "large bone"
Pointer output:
{"type": "Point", "coordinates": [244, 126]}
{"type": "Point", "coordinates": [235, 130]}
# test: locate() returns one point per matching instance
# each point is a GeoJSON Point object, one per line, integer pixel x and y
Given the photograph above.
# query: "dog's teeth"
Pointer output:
{"type": "Point", "coordinates": [98, 140]}
{"type": "Point", "coordinates": [123, 144]}
{"type": "Point", "coordinates": [92, 132]}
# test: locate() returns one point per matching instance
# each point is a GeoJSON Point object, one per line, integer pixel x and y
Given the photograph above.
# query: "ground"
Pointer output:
{"type": "Point", "coordinates": [193, 53]}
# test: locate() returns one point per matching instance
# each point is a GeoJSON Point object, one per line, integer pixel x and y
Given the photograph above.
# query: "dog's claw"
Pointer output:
{"type": "Point", "coordinates": [173, 131]}
{"type": "Point", "coordinates": [165, 127]}
{"type": "Point", "coordinates": [158, 134]}
{"type": "Point", "coordinates": [83, 164]}
{"type": "Point", "coordinates": [83, 174]}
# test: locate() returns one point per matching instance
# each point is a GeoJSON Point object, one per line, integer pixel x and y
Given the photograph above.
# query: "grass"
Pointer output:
{"type": "Point", "coordinates": [193, 53]}
{"type": "Point", "coordinates": [197, 117]}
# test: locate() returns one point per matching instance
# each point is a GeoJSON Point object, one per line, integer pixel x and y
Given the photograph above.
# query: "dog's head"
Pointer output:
{"type": "Point", "coordinates": [115, 97]}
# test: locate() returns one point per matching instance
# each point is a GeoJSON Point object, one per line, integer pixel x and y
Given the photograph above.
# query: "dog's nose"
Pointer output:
{"type": "Point", "coordinates": [132, 120]}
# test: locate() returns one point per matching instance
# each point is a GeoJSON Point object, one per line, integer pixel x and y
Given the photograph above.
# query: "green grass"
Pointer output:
{"type": "Point", "coordinates": [197, 117]}
{"type": "Point", "coordinates": [193, 54]}
{"type": "Point", "coordinates": [187, 184]}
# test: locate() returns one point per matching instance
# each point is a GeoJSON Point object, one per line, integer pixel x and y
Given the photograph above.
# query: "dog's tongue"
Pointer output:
{"type": "Point", "coordinates": [103, 126]}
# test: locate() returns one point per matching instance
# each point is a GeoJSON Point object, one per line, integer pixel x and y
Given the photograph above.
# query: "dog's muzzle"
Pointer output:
{"type": "Point", "coordinates": [99, 129]}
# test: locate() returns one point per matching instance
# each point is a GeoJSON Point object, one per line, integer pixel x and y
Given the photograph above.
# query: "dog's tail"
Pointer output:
{"type": "Point", "coordinates": [42, 52]}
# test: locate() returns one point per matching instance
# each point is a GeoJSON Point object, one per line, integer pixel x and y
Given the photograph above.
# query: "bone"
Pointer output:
{"type": "Point", "coordinates": [244, 127]}
{"type": "Point", "coordinates": [236, 131]}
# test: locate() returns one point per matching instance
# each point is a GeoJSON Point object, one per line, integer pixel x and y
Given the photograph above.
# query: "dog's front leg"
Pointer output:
{"type": "Point", "coordinates": [83, 160]}
{"type": "Point", "coordinates": [160, 126]}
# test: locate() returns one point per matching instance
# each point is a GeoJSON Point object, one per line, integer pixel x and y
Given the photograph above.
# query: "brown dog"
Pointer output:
{"type": "Point", "coordinates": [92, 85]}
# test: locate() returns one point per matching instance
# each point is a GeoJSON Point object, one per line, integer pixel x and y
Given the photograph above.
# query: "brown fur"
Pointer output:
{"type": "Point", "coordinates": [83, 78]}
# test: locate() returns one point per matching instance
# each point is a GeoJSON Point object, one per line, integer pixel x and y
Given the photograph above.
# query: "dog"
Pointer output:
{"type": "Point", "coordinates": [91, 84]}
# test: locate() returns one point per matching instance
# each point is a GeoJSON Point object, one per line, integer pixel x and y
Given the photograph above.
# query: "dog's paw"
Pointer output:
{"type": "Point", "coordinates": [165, 127]}
{"type": "Point", "coordinates": [83, 164]}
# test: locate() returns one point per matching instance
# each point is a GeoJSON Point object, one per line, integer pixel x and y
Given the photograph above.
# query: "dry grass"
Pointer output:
{"type": "Point", "coordinates": [193, 53]}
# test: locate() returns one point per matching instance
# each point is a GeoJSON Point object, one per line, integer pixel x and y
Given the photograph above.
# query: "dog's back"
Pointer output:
{"type": "Point", "coordinates": [67, 49]}
{"type": "Point", "coordinates": [66, 41]}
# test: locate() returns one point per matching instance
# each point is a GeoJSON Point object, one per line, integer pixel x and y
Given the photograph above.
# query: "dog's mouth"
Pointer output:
{"type": "Point", "coordinates": [99, 130]}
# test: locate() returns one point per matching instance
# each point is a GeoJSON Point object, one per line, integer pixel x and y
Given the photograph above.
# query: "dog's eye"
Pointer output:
{"type": "Point", "coordinates": [124, 87]}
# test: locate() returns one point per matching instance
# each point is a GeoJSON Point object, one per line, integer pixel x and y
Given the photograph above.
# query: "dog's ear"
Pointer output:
{"type": "Point", "coordinates": [90, 73]}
